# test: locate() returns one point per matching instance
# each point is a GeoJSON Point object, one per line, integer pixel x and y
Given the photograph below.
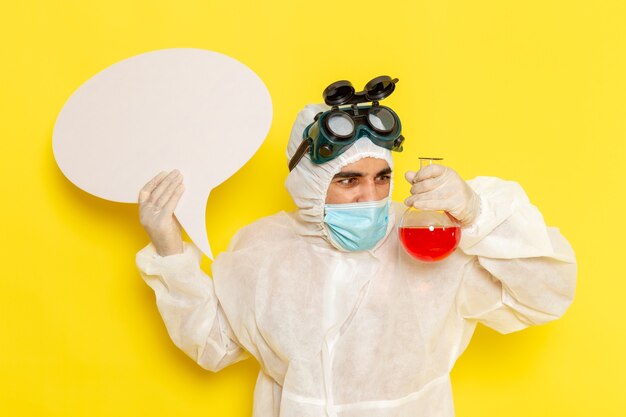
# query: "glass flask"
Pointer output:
{"type": "Point", "coordinates": [429, 236]}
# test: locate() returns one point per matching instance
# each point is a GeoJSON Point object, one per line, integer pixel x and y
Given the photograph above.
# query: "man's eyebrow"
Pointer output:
{"type": "Point", "coordinates": [348, 174]}
{"type": "Point", "coordinates": [384, 172]}
{"type": "Point", "coordinates": [356, 174]}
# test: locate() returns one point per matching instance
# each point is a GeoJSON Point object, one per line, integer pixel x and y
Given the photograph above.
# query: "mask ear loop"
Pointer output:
{"type": "Point", "coordinates": [302, 149]}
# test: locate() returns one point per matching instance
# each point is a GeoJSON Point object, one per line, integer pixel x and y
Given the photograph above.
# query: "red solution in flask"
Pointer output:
{"type": "Point", "coordinates": [430, 243]}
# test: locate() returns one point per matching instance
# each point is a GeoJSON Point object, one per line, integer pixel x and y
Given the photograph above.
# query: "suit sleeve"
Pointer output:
{"type": "Point", "coordinates": [523, 273]}
{"type": "Point", "coordinates": [189, 307]}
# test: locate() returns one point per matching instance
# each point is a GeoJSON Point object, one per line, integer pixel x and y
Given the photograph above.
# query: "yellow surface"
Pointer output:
{"type": "Point", "coordinates": [530, 90]}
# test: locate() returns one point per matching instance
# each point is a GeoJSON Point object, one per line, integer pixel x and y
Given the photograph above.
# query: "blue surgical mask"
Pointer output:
{"type": "Point", "coordinates": [357, 226]}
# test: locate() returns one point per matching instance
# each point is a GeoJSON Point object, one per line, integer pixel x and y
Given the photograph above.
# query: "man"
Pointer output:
{"type": "Point", "coordinates": [342, 328]}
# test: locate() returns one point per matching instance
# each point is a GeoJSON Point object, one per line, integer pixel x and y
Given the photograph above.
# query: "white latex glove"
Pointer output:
{"type": "Point", "coordinates": [157, 201]}
{"type": "Point", "coordinates": [437, 187]}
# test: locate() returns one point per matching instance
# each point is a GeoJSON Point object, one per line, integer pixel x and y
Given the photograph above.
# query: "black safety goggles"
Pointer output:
{"type": "Point", "coordinates": [334, 131]}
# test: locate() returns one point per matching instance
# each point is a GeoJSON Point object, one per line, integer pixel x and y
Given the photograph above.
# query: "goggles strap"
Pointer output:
{"type": "Point", "coordinates": [302, 149]}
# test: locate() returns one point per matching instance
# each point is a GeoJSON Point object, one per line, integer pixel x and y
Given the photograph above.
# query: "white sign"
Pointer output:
{"type": "Point", "coordinates": [201, 112]}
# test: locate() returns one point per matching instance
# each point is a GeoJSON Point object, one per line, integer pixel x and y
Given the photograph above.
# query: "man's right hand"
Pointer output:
{"type": "Point", "coordinates": [157, 201]}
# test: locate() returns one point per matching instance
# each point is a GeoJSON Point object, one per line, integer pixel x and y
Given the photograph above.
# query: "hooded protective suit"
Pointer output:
{"type": "Point", "coordinates": [372, 333]}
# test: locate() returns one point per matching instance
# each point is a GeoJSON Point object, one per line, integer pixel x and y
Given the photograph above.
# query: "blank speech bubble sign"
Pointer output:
{"type": "Point", "coordinates": [199, 111]}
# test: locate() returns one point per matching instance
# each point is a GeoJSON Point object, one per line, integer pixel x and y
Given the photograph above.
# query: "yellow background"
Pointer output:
{"type": "Point", "coordinates": [527, 90]}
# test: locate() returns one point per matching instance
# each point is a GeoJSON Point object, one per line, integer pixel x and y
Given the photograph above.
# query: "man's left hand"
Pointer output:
{"type": "Point", "coordinates": [437, 187]}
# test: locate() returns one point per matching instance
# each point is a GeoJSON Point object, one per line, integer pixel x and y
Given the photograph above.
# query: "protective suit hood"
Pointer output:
{"type": "Point", "coordinates": [308, 182]}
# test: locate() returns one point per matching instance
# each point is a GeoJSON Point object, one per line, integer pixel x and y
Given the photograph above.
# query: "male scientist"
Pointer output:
{"type": "Point", "coordinates": [343, 322]}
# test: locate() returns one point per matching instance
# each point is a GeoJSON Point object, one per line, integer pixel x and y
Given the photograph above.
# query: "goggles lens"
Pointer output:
{"type": "Point", "coordinates": [340, 125]}
{"type": "Point", "coordinates": [381, 120]}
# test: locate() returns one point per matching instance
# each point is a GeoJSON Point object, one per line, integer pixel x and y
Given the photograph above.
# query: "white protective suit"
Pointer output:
{"type": "Point", "coordinates": [372, 333]}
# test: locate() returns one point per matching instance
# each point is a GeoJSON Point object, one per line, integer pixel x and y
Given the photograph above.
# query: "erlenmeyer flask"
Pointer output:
{"type": "Point", "coordinates": [429, 236]}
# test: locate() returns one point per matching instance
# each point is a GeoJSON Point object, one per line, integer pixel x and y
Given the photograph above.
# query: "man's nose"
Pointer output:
{"type": "Point", "coordinates": [368, 192]}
